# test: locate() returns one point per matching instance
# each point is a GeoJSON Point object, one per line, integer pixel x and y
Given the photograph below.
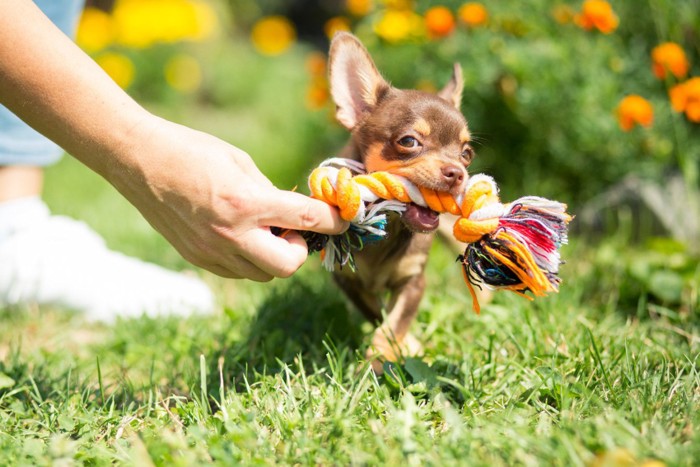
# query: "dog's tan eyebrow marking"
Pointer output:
{"type": "Point", "coordinates": [464, 136]}
{"type": "Point", "coordinates": [374, 162]}
{"type": "Point", "coordinates": [422, 127]}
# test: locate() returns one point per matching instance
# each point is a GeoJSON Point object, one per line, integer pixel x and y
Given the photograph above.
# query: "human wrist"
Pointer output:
{"type": "Point", "coordinates": [121, 157]}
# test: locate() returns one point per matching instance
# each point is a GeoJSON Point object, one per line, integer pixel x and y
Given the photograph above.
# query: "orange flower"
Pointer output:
{"type": "Point", "coordinates": [685, 97]}
{"type": "Point", "coordinates": [316, 64]}
{"type": "Point", "coordinates": [336, 24]}
{"type": "Point", "coordinates": [273, 35]}
{"type": "Point", "coordinates": [473, 14]}
{"type": "Point", "coordinates": [597, 14]}
{"type": "Point", "coordinates": [359, 7]}
{"type": "Point", "coordinates": [669, 56]}
{"type": "Point", "coordinates": [633, 110]}
{"type": "Point", "coordinates": [399, 4]}
{"type": "Point", "coordinates": [439, 21]}
{"type": "Point", "coordinates": [317, 95]}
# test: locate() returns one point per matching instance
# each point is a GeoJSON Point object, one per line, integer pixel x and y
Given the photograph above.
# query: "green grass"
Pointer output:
{"type": "Point", "coordinates": [598, 373]}
{"type": "Point", "coordinates": [276, 375]}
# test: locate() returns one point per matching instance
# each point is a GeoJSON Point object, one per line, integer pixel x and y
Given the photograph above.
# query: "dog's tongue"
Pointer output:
{"type": "Point", "coordinates": [420, 219]}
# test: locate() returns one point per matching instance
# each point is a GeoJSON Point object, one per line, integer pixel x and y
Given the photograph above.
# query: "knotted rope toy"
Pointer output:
{"type": "Point", "coordinates": [513, 246]}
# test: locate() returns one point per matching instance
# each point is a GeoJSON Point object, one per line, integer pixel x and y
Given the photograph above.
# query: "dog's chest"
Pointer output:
{"type": "Point", "coordinates": [390, 262]}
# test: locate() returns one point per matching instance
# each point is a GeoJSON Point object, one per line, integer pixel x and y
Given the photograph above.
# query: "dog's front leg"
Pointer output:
{"type": "Point", "coordinates": [392, 340]}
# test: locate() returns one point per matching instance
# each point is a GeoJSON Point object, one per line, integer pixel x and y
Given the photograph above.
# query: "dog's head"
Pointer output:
{"type": "Point", "coordinates": [420, 136]}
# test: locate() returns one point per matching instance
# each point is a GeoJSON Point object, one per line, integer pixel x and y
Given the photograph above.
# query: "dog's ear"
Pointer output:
{"type": "Point", "coordinates": [356, 85]}
{"type": "Point", "coordinates": [452, 92]}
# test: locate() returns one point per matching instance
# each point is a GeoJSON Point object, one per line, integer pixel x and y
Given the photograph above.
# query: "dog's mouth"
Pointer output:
{"type": "Point", "coordinates": [420, 219]}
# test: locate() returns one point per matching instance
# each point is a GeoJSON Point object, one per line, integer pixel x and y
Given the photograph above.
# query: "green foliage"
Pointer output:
{"type": "Point", "coordinates": [541, 96]}
{"type": "Point", "coordinates": [606, 369]}
{"type": "Point", "coordinates": [660, 274]}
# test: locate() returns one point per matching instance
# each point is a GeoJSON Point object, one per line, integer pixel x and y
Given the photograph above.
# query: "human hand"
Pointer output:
{"type": "Point", "coordinates": [205, 196]}
{"type": "Point", "coordinates": [210, 201]}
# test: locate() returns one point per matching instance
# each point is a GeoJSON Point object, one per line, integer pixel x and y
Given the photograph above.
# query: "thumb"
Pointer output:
{"type": "Point", "coordinates": [292, 210]}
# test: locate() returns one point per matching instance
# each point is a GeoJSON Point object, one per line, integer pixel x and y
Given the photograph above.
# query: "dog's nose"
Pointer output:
{"type": "Point", "coordinates": [452, 174]}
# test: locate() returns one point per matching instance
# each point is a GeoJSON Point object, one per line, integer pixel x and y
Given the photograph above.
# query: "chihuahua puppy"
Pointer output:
{"type": "Point", "coordinates": [420, 136]}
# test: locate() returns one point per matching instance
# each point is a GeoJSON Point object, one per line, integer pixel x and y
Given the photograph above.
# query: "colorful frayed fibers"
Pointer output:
{"type": "Point", "coordinates": [513, 246]}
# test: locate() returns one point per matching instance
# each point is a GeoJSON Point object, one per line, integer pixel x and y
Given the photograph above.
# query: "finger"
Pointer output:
{"type": "Point", "coordinates": [235, 267]}
{"type": "Point", "coordinates": [280, 257]}
{"type": "Point", "coordinates": [292, 210]}
{"type": "Point", "coordinates": [221, 271]}
{"type": "Point", "coordinates": [245, 269]}
{"type": "Point", "coordinates": [239, 268]}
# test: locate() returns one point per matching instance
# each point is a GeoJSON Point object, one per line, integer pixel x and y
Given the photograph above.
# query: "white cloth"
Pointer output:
{"type": "Point", "coordinates": [57, 261]}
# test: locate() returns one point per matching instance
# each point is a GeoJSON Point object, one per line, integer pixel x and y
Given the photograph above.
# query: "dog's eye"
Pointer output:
{"type": "Point", "coordinates": [468, 154]}
{"type": "Point", "coordinates": [408, 142]}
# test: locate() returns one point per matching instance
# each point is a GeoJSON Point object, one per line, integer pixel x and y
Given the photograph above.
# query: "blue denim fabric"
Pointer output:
{"type": "Point", "coordinates": [19, 143]}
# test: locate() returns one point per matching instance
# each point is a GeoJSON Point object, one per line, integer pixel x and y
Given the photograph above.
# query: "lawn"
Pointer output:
{"type": "Point", "coordinates": [275, 376]}
{"type": "Point", "coordinates": [605, 373]}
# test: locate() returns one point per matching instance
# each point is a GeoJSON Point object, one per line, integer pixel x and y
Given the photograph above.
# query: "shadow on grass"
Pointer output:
{"type": "Point", "coordinates": [298, 319]}
{"type": "Point", "coordinates": [304, 324]}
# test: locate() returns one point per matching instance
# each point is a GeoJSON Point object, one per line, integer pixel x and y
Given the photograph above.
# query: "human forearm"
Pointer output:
{"type": "Point", "coordinates": [204, 195]}
{"type": "Point", "coordinates": [51, 84]}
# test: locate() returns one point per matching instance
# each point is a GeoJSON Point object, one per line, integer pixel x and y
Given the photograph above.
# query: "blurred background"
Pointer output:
{"type": "Point", "coordinates": [593, 103]}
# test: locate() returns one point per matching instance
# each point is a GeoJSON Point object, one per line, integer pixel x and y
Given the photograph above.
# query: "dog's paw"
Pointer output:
{"type": "Point", "coordinates": [412, 346]}
{"type": "Point", "coordinates": [385, 347]}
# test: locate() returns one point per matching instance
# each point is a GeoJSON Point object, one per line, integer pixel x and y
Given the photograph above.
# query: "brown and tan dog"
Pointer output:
{"type": "Point", "coordinates": [420, 136]}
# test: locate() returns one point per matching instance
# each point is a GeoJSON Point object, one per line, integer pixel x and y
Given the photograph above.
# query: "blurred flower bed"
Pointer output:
{"type": "Point", "coordinates": [203, 64]}
{"type": "Point", "coordinates": [139, 42]}
{"type": "Point", "coordinates": [566, 99]}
